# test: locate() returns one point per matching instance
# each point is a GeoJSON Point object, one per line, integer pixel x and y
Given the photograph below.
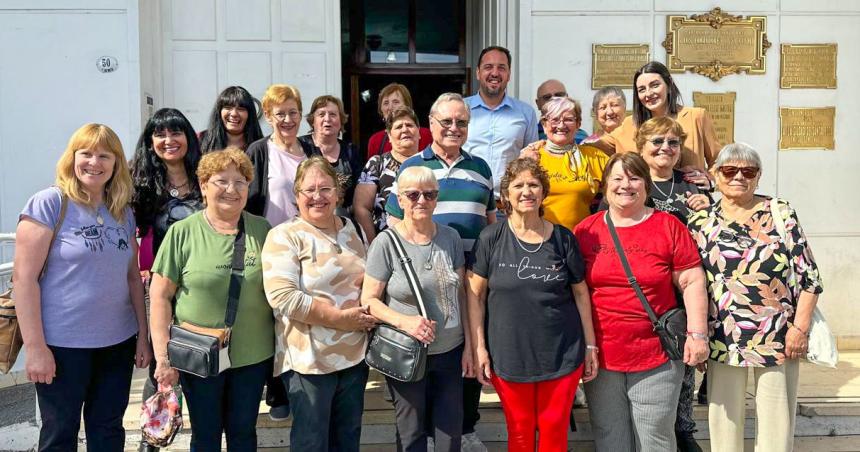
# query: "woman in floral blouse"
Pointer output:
{"type": "Point", "coordinates": [764, 285]}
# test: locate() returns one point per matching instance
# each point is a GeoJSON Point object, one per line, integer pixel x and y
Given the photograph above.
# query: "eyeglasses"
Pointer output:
{"type": "Point", "coordinates": [727, 236]}
{"type": "Point", "coordinates": [566, 121]}
{"type": "Point", "coordinates": [658, 143]}
{"type": "Point", "coordinates": [546, 97]}
{"type": "Point", "coordinates": [447, 123]}
{"type": "Point", "coordinates": [324, 192]}
{"type": "Point", "coordinates": [281, 116]}
{"type": "Point", "coordinates": [414, 195]}
{"type": "Point", "coordinates": [238, 185]}
{"type": "Point", "coordinates": [729, 172]}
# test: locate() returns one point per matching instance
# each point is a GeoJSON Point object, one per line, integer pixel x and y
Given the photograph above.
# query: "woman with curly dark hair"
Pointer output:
{"type": "Point", "coordinates": [233, 121]}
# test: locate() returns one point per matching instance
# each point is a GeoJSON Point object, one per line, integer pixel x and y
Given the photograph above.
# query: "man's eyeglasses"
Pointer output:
{"type": "Point", "coordinates": [729, 172]}
{"type": "Point", "coordinates": [414, 195]}
{"type": "Point", "coordinates": [546, 97]}
{"type": "Point", "coordinates": [658, 143]}
{"type": "Point", "coordinates": [727, 236]}
{"type": "Point", "coordinates": [325, 192]}
{"type": "Point", "coordinates": [447, 123]}
{"type": "Point", "coordinates": [238, 185]}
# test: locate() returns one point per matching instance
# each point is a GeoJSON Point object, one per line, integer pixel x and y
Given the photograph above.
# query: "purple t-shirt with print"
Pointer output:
{"type": "Point", "coordinates": [85, 294]}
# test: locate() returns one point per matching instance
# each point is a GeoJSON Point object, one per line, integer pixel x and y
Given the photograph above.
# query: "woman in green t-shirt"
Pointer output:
{"type": "Point", "coordinates": [193, 267]}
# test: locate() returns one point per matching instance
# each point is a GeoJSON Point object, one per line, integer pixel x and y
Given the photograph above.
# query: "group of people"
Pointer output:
{"type": "Point", "coordinates": [511, 224]}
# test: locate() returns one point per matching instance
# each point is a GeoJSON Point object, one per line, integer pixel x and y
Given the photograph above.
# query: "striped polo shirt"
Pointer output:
{"type": "Point", "coordinates": [465, 193]}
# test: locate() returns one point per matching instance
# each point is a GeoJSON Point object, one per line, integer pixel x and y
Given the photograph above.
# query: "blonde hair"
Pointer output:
{"type": "Point", "coordinates": [217, 161]}
{"type": "Point", "coordinates": [278, 94]}
{"type": "Point", "coordinates": [417, 175]}
{"type": "Point", "coordinates": [118, 188]}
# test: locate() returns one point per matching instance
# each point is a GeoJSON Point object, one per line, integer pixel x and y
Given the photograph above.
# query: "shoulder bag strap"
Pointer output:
{"type": "Point", "coordinates": [630, 278]}
{"type": "Point", "coordinates": [236, 274]}
{"type": "Point", "coordinates": [64, 204]}
{"type": "Point", "coordinates": [382, 142]}
{"type": "Point", "coordinates": [357, 228]}
{"type": "Point", "coordinates": [778, 221]}
{"type": "Point", "coordinates": [411, 276]}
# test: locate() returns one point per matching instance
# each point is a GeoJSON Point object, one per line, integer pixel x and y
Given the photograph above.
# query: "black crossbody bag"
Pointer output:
{"type": "Point", "coordinates": [671, 327]}
{"type": "Point", "coordinates": [203, 351]}
{"type": "Point", "coordinates": [392, 351]}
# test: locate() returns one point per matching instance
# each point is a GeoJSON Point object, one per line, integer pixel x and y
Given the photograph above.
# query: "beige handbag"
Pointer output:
{"type": "Point", "coordinates": [10, 332]}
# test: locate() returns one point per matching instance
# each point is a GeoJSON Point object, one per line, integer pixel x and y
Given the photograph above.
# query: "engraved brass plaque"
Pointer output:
{"type": "Point", "coordinates": [615, 64]}
{"type": "Point", "coordinates": [716, 44]}
{"type": "Point", "coordinates": [721, 108]}
{"type": "Point", "coordinates": [595, 126]}
{"type": "Point", "coordinates": [807, 128]}
{"type": "Point", "coordinates": [807, 66]}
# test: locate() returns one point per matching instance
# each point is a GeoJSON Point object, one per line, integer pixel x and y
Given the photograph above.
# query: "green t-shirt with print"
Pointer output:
{"type": "Point", "coordinates": [198, 260]}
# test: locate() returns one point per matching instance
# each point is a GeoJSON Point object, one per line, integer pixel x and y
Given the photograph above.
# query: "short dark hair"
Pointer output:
{"type": "Point", "coordinates": [633, 164]}
{"type": "Point", "coordinates": [400, 113]}
{"type": "Point", "coordinates": [321, 102]}
{"type": "Point", "coordinates": [512, 170]}
{"type": "Point", "coordinates": [490, 49]}
{"type": "Point", "coordinates": [673, 95]}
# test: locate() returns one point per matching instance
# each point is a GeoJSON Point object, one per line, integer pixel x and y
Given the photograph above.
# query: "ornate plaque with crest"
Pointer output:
{"type": "Point", "coordinates": [716, 44]}
{"type": "Point", "coordinates": [721, 108]}
{"type": "Point", "coordinates": [615, 64]}
{"type": "Point", "coordinates": [807, 128]}
{"type": "Point", "coordinates": [807, 66]}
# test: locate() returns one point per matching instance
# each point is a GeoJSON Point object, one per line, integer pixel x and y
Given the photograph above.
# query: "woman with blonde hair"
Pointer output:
{"type": "Point", "coordinates": [82, 343]}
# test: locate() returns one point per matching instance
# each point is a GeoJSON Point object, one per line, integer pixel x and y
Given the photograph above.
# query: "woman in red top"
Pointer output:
{"type": "Point", "coordinates": [633, 398]}
{"type": "Point", "coordinates": [391, 97]}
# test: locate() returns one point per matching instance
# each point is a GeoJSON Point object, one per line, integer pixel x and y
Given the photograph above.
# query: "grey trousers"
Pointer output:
{"type": "Point", "coordinates": [635, 411]}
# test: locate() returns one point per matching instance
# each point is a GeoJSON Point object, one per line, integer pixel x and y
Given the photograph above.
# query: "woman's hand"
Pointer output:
{"type": "Point", "coordinates": [531, 151]}
{"type": "Point", "coordinates": [696, 176]}
{"type": "Point", "coordinates": [592, 365]}
{"type": "Point", "coordinates": [796, 343]}
{"type": "Point", "coordinates": [468, 363]}
{"type": "Point", "coordinates": [483, 371]}
{"type": "Point", "coordinates": [356, 319]}
{"type": "Point", "coordinates": [40, 366]}
{"type": "Point", "coordinates": [419, 327]}
{"type": "Point", "coordinates": [166, 375]}
{"type": "Point", "coordinates": [698, 201]}
{"type": "Point", "coordinates": [695, 351]}
{"type": "Point", "coordinates": [142, 352]}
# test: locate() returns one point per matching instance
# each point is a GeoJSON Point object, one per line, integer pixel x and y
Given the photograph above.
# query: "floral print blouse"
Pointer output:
{"type": "Point", "coordinates": [754, 280]}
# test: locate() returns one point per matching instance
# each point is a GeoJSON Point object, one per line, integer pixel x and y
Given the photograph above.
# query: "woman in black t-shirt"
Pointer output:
{"type": "Point", "coordinates": [527, 286]}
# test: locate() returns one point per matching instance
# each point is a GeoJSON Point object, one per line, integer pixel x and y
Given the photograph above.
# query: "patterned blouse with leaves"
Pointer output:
{"type": "Point", "coordinates": [754, 281]}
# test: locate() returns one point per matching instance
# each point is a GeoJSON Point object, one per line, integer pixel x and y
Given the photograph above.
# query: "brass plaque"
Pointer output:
{"type": "Point", "coordinates": [716, 44]}
{"type": "Point", "coordinates": [721, 108]}
{"type": "Point", "coordinates": [807, 128]}
{"type": "Point", "coordinates": [807, 66]}
{"type": "Point", "coordinates": [615, 64]}
{"type": "Point", "coordinates": [596, 125]}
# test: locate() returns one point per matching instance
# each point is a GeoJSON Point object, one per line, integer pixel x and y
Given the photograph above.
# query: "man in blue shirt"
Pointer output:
{"type": "Point", "coordinates": [546, 91]}
{"type": "Point", "coordinates": [500, 125]}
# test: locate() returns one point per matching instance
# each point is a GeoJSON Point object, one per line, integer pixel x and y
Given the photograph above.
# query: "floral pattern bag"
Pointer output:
{"type": "Point", "coordinates": [161, 416]}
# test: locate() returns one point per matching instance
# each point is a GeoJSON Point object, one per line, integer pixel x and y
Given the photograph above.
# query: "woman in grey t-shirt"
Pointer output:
{"type": "Point", "coordinates": [437, 255]}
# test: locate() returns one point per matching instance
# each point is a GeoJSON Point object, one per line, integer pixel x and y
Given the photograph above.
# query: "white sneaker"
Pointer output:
{"type": "Point", "coordinates": [431, 444]}
{"type": "Point", "coordinates": [471, 443]}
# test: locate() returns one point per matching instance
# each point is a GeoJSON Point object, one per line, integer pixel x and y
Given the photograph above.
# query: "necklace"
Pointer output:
{"type": "Point", "coordinates": [523, 247]}
{"type": "Point", "coordinates": [671, 189]}
{"type": "Point", "coordinates": [215, 228]}
{"type": "Point", "coordinates": [173, 190]}
{"type": "Point", "coordinates": [328, 238]}
{"type": "Point", "coordinates": [99, 219]}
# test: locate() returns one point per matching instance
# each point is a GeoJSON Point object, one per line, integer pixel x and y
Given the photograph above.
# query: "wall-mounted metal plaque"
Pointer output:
{"type": "Point", "coordinates": [807, 128]}
{"type": "Point", "coordinates": [716, 44]}
{"type": "Point", "coordinates": [615, 64]}
{"type": "Point", "coordinates": [807, 66]}
{"type": "Point", "coordinates": [595, 126]}
{"type": "Point", "coordinates": [721, 108]}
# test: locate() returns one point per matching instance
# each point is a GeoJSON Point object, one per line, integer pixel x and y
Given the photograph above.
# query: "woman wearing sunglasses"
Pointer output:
{"type": "Point", "coordinates": [437, 255]}
{"type": "Point", "coordinates": [764, 287]}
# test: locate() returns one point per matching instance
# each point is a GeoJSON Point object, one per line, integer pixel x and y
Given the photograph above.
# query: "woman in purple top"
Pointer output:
{"type": "Point", "coordinates": [84, 321]}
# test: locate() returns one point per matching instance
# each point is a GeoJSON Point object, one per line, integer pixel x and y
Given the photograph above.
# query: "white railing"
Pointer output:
{"type": "Point", "coordinates": [7, 250]}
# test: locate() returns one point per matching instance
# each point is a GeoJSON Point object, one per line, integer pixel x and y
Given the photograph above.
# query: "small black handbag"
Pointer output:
{"type": "Point", "coordinates": [393, 352]}
{"type": "Point", "coordinates": [671, 327]}
{"type": "Point", "coordinates": [205, 352]}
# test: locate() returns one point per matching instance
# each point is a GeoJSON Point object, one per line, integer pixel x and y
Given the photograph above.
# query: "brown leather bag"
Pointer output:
{"type": "Point", "coordinates": [10, 333]}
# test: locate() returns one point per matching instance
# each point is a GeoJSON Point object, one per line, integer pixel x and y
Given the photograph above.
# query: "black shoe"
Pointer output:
{"type": "Point", "coordinates": [279, 413]}
{"type": "Point", "coordinates": [686, 442]}
{"type": "Point", "coordinates": [145, 447]}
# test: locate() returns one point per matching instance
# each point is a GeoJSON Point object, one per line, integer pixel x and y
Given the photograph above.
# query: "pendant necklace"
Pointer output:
{"type": "Point", "coordinates": [671, 189]}
{"type": "Point", "coordinates": [99, 219]}
{"type": "Point", "coordinates": [173, 190]}
{"type": "Point", "coordinates": [427, 265]}
{"type": "Point", "coordinates": [328, 238]}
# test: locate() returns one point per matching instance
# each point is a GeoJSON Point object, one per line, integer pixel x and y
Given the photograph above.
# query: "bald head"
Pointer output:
{"type": "Point", "coordinates": [549, 89]}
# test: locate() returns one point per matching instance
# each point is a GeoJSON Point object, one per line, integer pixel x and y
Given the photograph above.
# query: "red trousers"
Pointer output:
{"type": "Point", "coordinates": [542, 407]}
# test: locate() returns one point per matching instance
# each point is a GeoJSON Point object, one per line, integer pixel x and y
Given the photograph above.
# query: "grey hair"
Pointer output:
{"type": "Point", "coordinates": [556, 106]}
{"type": "Point", "coordinates": [416, 175]}
{"type": "Point", "coordinates": [605, 92]}
{"type": "Point", "coordinates": [448, 97]}
{"type": "Point", "coordinates": [737, 152]}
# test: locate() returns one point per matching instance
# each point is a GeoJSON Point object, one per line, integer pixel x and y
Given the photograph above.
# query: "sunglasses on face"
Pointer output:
{"type": "Point", "coordinates": [546, 97]}
{"type": "Point", "coordinates": [658, 143]}
{"type": "Point", "coordinates": [447, 123]}
{"type": "Point", "coordinates": [729, 172]}
{"type": "Point", "coordinates": [414, 195]}
{"type": "Point", "coordinates": [727, 236]}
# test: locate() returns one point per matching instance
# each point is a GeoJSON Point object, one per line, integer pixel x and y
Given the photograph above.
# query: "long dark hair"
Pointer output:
{"type": "Point", "coordinates": [214, 138]}
{"type": "Point", "coordinates": [148, 171]}
{"type": "Point", "coordinates": [673, 95]}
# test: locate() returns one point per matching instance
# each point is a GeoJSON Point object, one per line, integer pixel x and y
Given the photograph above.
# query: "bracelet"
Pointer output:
{"type": "Point", "coordinates": [592, 347]}
{"type": "Point", "coordinates": [697, 335]}
{"type": "Point", "coordinates": [805, 333]}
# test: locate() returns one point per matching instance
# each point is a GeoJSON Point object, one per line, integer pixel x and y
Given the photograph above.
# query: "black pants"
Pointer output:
{"type": "Point", "coordinates": [432, 406]}
{"type": "Point", "coordinates": [228, 403]}
{"type": "Point", "coordinates": [95, 379]}
{"type": "Point", "coordinates": [471, 400]}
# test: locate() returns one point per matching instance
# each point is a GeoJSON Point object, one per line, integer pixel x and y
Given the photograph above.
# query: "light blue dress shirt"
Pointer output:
{"type": "Point", "coordinates": [497, 135]}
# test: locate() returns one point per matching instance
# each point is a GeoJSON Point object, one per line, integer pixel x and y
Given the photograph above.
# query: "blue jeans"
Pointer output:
{"type": "Point", "coordinates": [327, 409]}
{"type": "Point", "coordinates": [228, 403]}
{"type": "Point", "coordinates": [95, 379]}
